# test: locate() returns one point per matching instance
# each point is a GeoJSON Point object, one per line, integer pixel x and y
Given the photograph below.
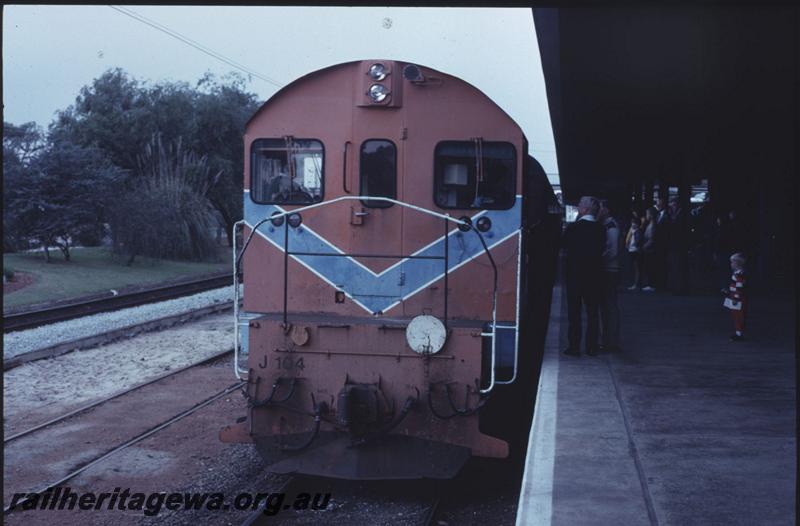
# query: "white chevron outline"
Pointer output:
{"type": "Point", "coordinates": [387, 269]}
{"type": "Point", "coordinates": [309, 267]}
{"type": "Point", "coordinates": [440, 276]}
{"type": "Point", "coordinates": [404, 298]}
{"type": "Point", "coordinates": [377, 275]}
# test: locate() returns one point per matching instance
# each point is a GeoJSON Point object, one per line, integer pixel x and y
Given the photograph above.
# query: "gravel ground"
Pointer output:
{"type": "Point", "coordinates": [37, 389]}
{"type": "Point", "coordinates": [186, 456]}
{"type": "Point", "coordinates": [19, 342]}
{"type": "Point", "coordinates": [240, 470]}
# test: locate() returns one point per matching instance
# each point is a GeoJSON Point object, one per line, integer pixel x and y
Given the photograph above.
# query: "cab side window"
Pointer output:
{"type": "Point", "coordinates": [286, 171]}
{"type": "Point", "coordinates": [378, 172]}
{"type": "Point", "coordinates": [475, 174]}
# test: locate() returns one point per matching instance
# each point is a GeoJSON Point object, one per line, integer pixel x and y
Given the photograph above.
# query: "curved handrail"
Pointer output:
{"type": "Point", "coordinates": [344, 168]}
{"type": "Point", "coordinates": [336, 200]}
{"type": "Point", "coordinates": [236, 370]}
{"type": "Point", "coordinates": [447, 217]}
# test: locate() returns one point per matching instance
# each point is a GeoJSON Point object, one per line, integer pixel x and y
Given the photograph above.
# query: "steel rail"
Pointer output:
{"type": "Point", "coordinates": [429, 516]}
{"type": "Point", "coordinates": [258, 516]}
{"type": "Point", "coordinates": [122, 333]}
{"type": "Point", "coordinates": [117, 394]}
{"type": "Point", "coordinates": [132, 441]}
{"type": "Point", "coordinates": [29, 319]}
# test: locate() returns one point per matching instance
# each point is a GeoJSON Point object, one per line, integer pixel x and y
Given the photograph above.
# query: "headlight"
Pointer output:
{"type": "Point", "coordinates": [378, 93]}
{"type": "Point", "coordinates": [276, 221]}
{"type": "Point", "coordinates": [377, 71]}
{"type": "Point", "coordinates": [295, 220]}
{"type": "Point", "coordinates": [484, 224]}
{"type": "Point", "coordinates": [426, 334]}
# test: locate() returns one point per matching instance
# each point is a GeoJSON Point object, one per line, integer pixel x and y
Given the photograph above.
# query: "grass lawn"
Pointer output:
{"type": "Point", "coordinates": [94, 270]}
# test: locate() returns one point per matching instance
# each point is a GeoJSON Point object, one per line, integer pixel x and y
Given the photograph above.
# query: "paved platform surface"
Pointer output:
{"type": "Point", "coordinates": [683, 427]}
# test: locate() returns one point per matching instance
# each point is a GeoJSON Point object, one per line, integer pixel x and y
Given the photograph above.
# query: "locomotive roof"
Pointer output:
{"type": "Point", "coordinates": [307, 76]}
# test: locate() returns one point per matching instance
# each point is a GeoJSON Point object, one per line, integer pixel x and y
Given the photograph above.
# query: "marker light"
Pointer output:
{"type": "Point", "coordinates": [295, 220]}
{"type": "Point", "coordinates": [377, 71]}
{"type": "Point", "coordinates": [276, 221]}
{"type": "Point", "coordinates": [412, 73]}
{"type": "Point", "coordinates": [378, 93]}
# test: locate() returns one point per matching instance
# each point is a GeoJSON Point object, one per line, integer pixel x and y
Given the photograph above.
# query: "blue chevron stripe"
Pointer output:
{"type": "Point", "coordinates": [379, 292]}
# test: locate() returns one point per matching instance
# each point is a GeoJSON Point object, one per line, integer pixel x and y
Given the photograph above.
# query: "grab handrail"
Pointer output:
{"type": "Point", "coordinates": [238, 259]}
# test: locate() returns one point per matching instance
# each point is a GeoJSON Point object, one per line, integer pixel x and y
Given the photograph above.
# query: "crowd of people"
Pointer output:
{"type": "Point", "coordinates": [660, 239]}
{"type": "Point", "coordinates": [657, 242]}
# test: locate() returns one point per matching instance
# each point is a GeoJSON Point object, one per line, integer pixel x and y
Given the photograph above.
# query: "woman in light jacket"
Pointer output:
{"type": "Point", "coordinates": [648, 248]}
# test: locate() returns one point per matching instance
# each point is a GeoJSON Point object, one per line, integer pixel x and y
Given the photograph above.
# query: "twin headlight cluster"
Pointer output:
{"type": "Point", "coordinates": [378, 92]}
{"type": "Point", "coordinates": [380, 83]}
{"type": "Point", "coordinates": [294, 219]}
{"type": "Point", "coordinates": [483, 224]}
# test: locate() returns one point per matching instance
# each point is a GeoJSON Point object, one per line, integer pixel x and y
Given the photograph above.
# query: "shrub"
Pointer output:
{"type": "Point", "coordinates": [165, 212]}
{"type": "Point", "coordinates": [91, 237]}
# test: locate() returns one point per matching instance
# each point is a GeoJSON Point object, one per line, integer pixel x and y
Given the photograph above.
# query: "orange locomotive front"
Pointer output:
{"type": "Point", "coordinates": [381, 258]}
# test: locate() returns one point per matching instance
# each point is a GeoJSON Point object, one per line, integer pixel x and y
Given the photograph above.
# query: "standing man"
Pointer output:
{"type": "Point", "coordinates": [584, 242]}
{"type": "Point", "coordinates": [662, 243]}
{"type": "Point", "coordinates": [609, 310]}
{"type": "Point", "coordinates": [678, 248]}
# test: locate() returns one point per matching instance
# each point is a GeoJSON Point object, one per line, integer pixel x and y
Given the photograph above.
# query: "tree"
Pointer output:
{"type": "Point", "coordinates": [21, 144]}
{"type": "Point", "coordinates": [120, 115]}
{"type": "Point", "coordinates": [111, 114]}
{"type": "Point", "coordinates": [65, 190]}
{"type": "Point", "coordinates": [172, 114]}
{"type": "Point", "coordinates": [164, 211]}
{"type": "Point", "coordinates": [222, 110]}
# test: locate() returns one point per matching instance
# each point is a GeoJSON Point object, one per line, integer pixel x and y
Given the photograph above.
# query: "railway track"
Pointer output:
{"type": "Point", "coordinates": [117, 394]}
{"type": "Point", "coordinates": [257, 517]}
{"type": "Point", "coordinates": [484, 492]}
{"type": "Point", "coordinates": [418, 508]}
{"type": "Point", "coordinates": [130, 442]}
{"type": "Point", "coordinates": [107, 337]}
{"type": "Point", "coordinates": [18, 321]}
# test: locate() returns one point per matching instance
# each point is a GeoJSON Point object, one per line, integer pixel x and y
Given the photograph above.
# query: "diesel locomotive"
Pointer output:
{"type": "Point", "coordinates": [396, 259]}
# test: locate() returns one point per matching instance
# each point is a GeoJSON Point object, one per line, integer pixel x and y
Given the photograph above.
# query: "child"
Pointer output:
{"type": "Point", "coordinates": [633, 243]}
{"type": "Point", "coordinates": [736, 300]}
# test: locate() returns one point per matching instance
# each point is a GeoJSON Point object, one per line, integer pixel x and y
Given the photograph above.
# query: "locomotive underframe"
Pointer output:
{"type": "Point", "coordinates": [427, 404]}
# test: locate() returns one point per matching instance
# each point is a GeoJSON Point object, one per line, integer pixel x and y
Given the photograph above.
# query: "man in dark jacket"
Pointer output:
{"type": "Point", "coordinates": [678, 248]}
{"type": "Point", "coordinates": [662, 244]}
{"type": "Point", "coordinates": [584, 242]}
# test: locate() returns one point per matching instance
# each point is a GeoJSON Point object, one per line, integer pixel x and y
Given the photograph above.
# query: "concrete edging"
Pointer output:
{"type": "Point", "coordinates": [535, 505]}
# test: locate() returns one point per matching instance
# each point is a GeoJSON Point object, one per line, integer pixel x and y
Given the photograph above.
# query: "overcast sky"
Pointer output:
{"type": "Point", "coordinates": [50, 52]}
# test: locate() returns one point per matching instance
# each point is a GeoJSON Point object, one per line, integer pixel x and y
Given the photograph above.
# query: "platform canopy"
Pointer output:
{"type": "Point", "coordinates": [670, 93]}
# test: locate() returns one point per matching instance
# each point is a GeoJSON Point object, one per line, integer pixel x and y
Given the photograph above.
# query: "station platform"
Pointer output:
{"type": "Point", "coordinates": [682, 427]}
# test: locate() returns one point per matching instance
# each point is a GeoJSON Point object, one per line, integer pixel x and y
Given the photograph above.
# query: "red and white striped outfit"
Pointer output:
{"type": "Point", "coordinates": [736, 294]}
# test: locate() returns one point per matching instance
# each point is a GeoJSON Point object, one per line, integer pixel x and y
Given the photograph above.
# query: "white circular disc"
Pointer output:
{"type": "Point", "coordinates": [426, 334]}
